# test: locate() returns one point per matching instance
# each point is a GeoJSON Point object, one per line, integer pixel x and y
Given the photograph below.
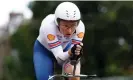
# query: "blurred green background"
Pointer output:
{"type": "Point", "coordinates": [108, 42]}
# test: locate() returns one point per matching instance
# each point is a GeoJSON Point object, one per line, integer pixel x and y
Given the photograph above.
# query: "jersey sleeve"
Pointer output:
{"type": "Point", "coordinates": [49, 33]}
{"type": "Point", "coordinates": [80, 31]}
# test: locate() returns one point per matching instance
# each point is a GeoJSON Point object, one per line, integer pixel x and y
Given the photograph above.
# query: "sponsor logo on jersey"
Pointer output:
{"type": "Point", "coordinates": [80, 35]}
{"type": "Point", "coordinates": [51, 37]}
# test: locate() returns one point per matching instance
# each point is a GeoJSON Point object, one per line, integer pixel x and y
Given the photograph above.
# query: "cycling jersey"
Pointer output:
{"type": "Point", "coordinates": [53, 40]}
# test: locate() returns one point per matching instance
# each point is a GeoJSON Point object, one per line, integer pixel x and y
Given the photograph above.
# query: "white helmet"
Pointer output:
{"type": "Point", "coordinates": [67, 11]}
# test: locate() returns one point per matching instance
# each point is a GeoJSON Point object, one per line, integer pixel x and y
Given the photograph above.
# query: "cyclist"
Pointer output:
{"type": "Point", "coordinates": [58, 34]}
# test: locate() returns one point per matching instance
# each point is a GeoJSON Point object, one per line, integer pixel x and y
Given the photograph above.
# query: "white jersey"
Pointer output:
{"type": "Point", "coordinates": [51, 38]}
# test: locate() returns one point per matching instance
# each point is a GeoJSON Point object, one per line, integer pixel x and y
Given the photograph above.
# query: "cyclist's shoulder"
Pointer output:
{"type": "Point", "coordinates": [48, 23]}
{"type": "Point", "coordinates": [81, 24]}
{"type": "Point", "coordinates": [48, 20]}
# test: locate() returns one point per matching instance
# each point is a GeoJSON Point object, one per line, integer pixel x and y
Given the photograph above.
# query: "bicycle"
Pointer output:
{"type": "Point", "coordinates": [66, 75]}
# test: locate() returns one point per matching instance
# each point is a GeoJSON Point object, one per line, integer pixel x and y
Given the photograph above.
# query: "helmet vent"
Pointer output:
{"type": "Point", "coordinates": [74, 13]}
{"type": "Point", "coordinates": [67, 13]}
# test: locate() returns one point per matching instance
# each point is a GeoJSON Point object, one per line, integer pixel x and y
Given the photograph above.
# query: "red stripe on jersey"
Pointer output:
{"type": "Point", "coordinates": [55, 44]}
{"type": "Point", "coordinates": [75, 41]}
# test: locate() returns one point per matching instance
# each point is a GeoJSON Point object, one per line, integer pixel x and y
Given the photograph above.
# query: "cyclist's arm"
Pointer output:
{"type": "Point", "coordinates": [54, 44]}
{"type": "Point", "coordinates": [78, 37]}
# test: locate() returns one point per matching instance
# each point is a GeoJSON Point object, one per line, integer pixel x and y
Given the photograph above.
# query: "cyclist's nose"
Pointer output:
{"type": "Point", "coordinates": [69, 31]}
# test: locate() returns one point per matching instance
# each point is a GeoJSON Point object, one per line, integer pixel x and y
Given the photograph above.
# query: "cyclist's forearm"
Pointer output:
{"type": "Point", "coordinates": [60, 55]}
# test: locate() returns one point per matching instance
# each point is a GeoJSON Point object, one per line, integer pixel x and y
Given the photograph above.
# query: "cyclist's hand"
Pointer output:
{"type": "Point", "coordinates": [76, 51]}
{"type": "Point", "coordinates": [68, 68]}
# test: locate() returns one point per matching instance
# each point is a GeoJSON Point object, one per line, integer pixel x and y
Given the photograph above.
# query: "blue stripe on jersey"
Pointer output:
{"type": "Point", "coordinates": [67, 47]}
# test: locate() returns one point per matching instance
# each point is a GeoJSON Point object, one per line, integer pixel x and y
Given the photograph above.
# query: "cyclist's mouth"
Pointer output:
{"type": "Point", "coordinates": [67, 35]}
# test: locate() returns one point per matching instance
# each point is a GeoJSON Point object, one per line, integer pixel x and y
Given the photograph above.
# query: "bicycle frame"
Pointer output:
{"type": "Point", "coordinates": [65, 75]}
